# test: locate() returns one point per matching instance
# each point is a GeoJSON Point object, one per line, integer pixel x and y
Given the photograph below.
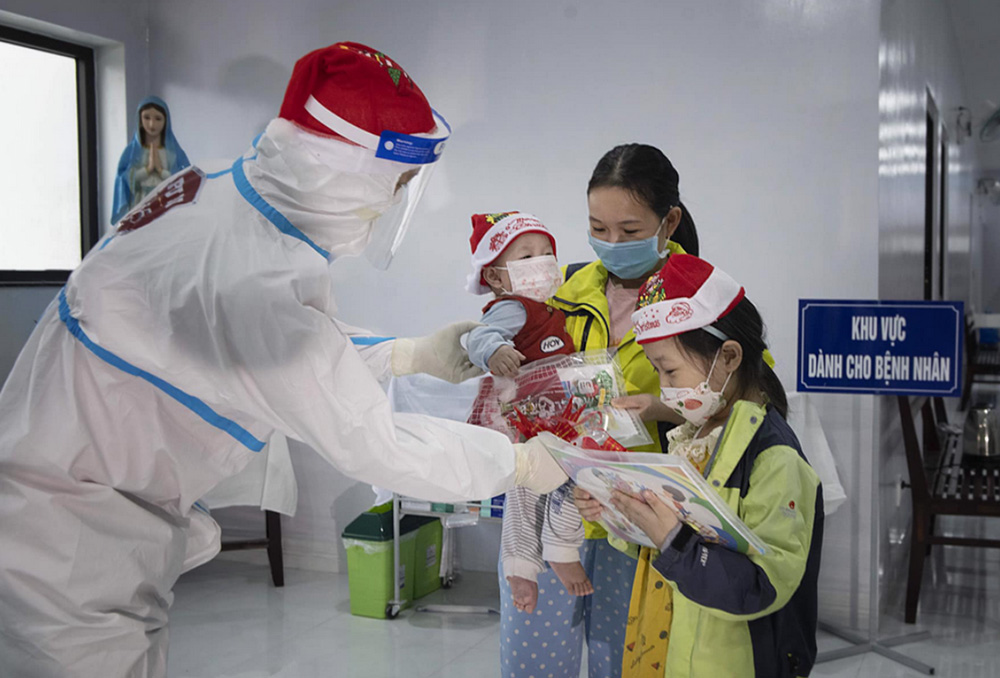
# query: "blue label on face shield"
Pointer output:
{"type": "Point", "coordinates": [408, 149]}
{"type": "Point", "coordinates": [412, 149]}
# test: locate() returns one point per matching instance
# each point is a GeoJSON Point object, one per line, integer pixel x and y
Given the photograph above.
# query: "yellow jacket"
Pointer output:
{"type": "Point", "coordinates": [582, 298]}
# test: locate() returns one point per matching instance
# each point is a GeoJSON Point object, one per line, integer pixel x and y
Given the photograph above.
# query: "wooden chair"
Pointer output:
{"type": "Point", "coordinates": [940, 486]}
{"type": "Point", "coordinates": [271, 542]}
{"type": "Point", "coordinates": [982, 364]}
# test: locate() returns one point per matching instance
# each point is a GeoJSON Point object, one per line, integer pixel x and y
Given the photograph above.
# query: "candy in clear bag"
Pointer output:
{"type": "Point", "coordinates": [568, 395]}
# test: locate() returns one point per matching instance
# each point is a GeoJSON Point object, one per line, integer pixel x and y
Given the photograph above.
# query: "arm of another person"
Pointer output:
{"type": "Point", "coordinates": [439, 354]}
{"type": "Point", "coordinates": [256, 350]}
{"type": "Point", "coordinates": [325, 394]}
{"type": "Point", "coordinates": [375, 350]}
{"type": "Point", "coordinates": [780, 507]}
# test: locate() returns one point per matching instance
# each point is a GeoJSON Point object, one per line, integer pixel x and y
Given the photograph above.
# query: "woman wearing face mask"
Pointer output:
{"type": "Point", "coordinates": [702, 609]}
{"type": "Point", "coordinates": [637, 220]}
{"type": "Point", "coordinates": [152, 156]}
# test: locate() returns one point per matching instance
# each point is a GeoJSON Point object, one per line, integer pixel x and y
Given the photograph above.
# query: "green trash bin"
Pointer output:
{"type": "Point", "coordinates": [427, 553]}
{"type": "Point", "coordinates": [368, 542]}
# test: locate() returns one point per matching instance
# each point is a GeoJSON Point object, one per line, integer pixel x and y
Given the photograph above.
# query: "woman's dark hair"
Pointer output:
{"type": "Point", "coordinates": [649, 176]}
{"type": "Point", "coordinates": [142, 132]}
{"type": "Point", "coordinates": [744, 325]}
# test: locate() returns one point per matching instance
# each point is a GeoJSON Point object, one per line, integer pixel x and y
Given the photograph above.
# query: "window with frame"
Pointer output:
{"type": "Point", "coordinates": [48, 172]}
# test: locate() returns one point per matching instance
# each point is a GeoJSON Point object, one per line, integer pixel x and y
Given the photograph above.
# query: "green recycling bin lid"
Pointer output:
{"type": "Point", "coordinates": [370, 527]}
{"type": "Point", "coordinates": [378, 526]}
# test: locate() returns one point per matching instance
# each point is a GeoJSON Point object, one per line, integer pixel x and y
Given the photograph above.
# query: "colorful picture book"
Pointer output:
{"type": "Point", "coordinates": [673, 479]}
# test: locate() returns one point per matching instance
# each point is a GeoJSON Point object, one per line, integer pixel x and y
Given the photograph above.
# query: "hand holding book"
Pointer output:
{"type": "Point", "coordinates": [648, 513]}
{"type": "Point", "coordinates": [612, 488]}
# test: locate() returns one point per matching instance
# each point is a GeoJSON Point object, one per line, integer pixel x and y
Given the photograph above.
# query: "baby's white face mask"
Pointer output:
{"type": "Point", "coordinates": [536, 278]}
{"type": "Point", "coordinates": [698, 404]}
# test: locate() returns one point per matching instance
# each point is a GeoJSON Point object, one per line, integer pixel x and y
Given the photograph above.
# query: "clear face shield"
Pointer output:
{"type": "Point", "coordinates": [415, 155]}
{"type": "Point", "coordinates": [391, 227]}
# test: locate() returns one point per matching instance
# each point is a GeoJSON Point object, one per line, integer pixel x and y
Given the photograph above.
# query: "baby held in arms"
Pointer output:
{"type": "Point", "coordinates": [513, 257]}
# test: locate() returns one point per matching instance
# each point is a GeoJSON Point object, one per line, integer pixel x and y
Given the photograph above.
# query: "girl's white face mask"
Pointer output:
{"type": "Point", "coordinates": [698, 404]}
{"type": "Point", "coordinates": [536, 278]}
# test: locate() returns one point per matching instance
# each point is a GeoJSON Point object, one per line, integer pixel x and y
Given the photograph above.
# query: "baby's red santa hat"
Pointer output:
{"type": "Point", "coordinates": [352, 91]}
{"type": "Point", "coordinates": [687, 294]}
{"type": "Point", "coordinates": [491, 235]}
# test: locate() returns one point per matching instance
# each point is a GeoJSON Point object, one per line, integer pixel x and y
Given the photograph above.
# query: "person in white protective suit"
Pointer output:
{"type": "Point", "coordinates": [201, 325]}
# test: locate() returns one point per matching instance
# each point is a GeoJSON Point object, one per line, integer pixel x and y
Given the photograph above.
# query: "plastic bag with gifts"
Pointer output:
{"type": "Point", "coordinates": [568, 395]}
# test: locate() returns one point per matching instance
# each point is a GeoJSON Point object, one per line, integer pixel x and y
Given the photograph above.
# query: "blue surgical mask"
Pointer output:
{"type": "Point", "coordinates": [632, 259]}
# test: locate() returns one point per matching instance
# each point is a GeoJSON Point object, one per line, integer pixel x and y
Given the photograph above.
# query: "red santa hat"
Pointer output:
{"type": "Point", "coordinates": [491, 235]}
{"type": "Point", "coordinates": [356, 93]}
{"type": "Point", "coordinates": [687, 294]}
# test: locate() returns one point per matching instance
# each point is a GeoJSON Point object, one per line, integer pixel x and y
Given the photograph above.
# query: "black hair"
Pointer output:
{"type": "Point", "coordinates": [142, 132]}
{"type": "Point", "coordinates": [646, 173]}
{"type": "Point", "coordinates": [743, 325]}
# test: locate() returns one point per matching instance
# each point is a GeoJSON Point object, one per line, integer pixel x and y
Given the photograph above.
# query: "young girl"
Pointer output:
{"type": "Point", "coordinates": [723, 613]}
{"type": "Point", "coordinates": [151, 156]}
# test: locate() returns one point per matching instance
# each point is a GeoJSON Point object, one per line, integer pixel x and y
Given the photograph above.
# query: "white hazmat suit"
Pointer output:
{"type": "Point", "coordinates": [172, 353]}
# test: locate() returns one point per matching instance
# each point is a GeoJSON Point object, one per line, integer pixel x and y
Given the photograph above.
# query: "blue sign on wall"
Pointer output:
{"type": "Point", "coordinates": [887, 347]}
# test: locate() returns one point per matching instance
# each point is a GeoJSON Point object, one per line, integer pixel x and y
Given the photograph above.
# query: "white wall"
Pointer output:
{"type": "Point", "coordinates": [768, 110]}
{"type": "Point", "coordinates": [918, 52]}
{"type": "Point", "coordinates": [116, 29]}
{"type": "Point", "coordinates": [975, 26]}
{"type": "Point", "coordinates": [987, 220]}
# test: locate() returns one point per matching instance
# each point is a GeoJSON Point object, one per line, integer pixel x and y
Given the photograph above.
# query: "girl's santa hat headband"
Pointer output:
{"type": "Point", "coordinates": [687, 294]}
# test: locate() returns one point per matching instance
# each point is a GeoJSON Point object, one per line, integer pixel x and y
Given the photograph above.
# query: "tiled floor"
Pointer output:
{"type": "Point", "coordinates": [228, 621]}
{"type": "Point", "coordinates": [959, 608]}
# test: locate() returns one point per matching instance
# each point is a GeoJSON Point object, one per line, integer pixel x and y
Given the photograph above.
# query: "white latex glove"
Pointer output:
{"type": "Point", "coordinates": [440, 354]}
{"type": "Point", "coordinates": [535, 468]}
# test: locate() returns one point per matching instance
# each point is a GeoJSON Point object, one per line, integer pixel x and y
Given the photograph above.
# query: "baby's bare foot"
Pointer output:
{"type": "Point", "coordinates": [524, 592]}
{"type": "Point", "coordinates": [573, 577]}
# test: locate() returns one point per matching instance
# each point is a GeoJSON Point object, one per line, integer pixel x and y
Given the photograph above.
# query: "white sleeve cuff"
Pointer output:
{"type": "Point", "coordinates": [521, 567]}
{"type": "Point", "coordinates": [561, 553]}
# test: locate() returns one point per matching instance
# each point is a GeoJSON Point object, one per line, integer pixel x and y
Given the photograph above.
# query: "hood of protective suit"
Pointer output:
{"type": "Point", "coordinates": [330, 190]}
